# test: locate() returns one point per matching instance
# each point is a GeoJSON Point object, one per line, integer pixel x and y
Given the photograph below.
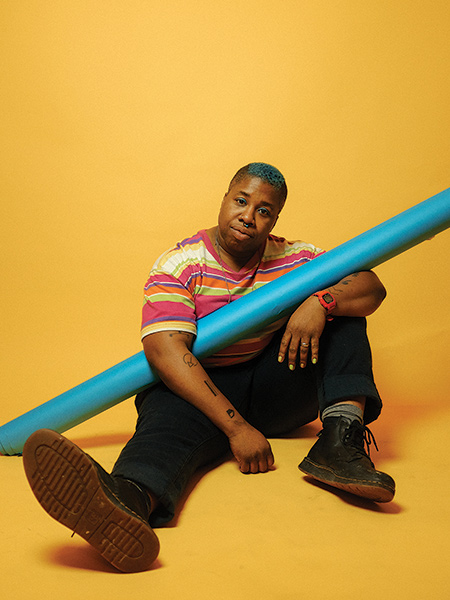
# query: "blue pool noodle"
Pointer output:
{"type": "Point", "coordinates": [234, 321]}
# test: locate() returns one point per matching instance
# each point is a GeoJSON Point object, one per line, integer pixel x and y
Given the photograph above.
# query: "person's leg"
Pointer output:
{"type": "Point", "coordinates": [344, 370]}
{"type": "Point", "coordinates": [348, 400]}
{"type": "Point", "coordinates": [281, 400]}
{"type": "Point", "coordinates": [113, 511]}
{"type": "Point", "coordinates": [173, 439]}
{"type": "Point", "coordinates": [109, 513]}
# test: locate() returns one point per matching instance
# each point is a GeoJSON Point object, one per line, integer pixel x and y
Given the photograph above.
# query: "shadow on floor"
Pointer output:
{"type": "Point", "coordinates": [84, 558]}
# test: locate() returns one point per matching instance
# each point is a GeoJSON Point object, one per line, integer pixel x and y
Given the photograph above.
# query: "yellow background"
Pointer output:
{"type": "Point", "coordinates": [122, 123]}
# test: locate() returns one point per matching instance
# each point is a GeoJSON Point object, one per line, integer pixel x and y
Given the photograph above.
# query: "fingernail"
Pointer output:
{"type": "Point", "coordinates": [280, 358]}
{"type": "Point", "coordinates": [302, 365]}
{"type": "Point", "coordinates": [291, 367]}
{"type": "Point", "coordinates": [314, 361]}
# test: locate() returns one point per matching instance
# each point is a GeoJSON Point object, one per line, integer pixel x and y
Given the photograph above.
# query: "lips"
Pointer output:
{"type": "Point", "coordinates": [242, 232]}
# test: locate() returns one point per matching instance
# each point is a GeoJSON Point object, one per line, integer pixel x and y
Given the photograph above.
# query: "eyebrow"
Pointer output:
{"type": "Point", "coordinates": [247, 195]}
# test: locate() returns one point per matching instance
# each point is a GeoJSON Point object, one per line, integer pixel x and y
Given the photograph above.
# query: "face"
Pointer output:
{"type": "Point", "coordinates": [248, 213]}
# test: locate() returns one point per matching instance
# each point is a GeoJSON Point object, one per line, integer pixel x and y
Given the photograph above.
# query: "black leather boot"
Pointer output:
{"type": "Point", "coordinates": [339, 458]}
{"type": "Point", "coordinates": [108, 512]}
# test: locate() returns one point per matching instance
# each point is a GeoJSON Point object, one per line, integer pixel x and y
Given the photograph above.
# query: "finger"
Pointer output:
{"type": "Point", "coordinates": [266, 461]}
{"type": "Point", "coordinates": [314, 350]}
{"type": "Point", "coordinates": [293, 352]}
{"type": "Point", "coordinates": [304, 349]}
{"type": "Point", "coordinates": [283, 346]}
{"type": "Point", "coordinates": [244, 466]}
{"type": "Point", "coordinates": [255, 468]}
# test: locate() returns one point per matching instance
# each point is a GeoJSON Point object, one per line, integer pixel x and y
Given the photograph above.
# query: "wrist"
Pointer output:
{"type": "Point", "coordinates": [235, 426]}
{"type": "Point", "coordinates": [326, 300]}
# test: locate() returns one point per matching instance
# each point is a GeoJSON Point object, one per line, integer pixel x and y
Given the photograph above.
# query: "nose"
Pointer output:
{"type": "Point", "coordinates": [247, 217]}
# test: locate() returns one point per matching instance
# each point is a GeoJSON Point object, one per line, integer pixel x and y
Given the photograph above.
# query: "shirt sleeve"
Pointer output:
{"type": "Point", "coordinates": [168, 306]}
{"type": "Point", "coordinates": [282, 255]}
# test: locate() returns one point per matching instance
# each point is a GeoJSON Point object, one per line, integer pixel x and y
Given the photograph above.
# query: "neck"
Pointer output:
{"type": "Point", "coordinates": [235, 262]}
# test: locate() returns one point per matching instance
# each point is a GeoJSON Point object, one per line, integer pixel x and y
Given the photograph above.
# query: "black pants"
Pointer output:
{"type": "Point", "coordinates": [173, 438]}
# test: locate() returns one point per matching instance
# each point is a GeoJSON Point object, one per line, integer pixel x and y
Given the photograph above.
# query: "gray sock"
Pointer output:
{"type": "Point", "coordinates": [349, 411]}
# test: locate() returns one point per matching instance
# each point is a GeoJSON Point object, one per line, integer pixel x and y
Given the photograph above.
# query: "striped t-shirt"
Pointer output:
{"type": "Point", "coordinates": [189, 281]}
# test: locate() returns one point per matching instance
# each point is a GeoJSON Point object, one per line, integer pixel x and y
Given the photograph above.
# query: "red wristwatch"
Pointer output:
{"type": "Point", "coordinates": [327, 300]}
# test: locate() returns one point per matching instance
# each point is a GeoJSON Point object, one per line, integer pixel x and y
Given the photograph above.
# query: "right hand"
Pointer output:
{"type": "Point", "coordinates": [251, 450]}
{"type": "Point", "coordinates": [302, 334]}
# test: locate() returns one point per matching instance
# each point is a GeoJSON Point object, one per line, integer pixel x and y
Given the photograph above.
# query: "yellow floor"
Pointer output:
{"type": "Point", "coordinates": [269, 536]}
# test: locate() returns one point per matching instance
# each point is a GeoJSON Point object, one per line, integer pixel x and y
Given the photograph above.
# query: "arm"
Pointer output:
{"type": "Point", "coordinates": [169, 353]}
{"type": "Point", "coordinates": [357, 295]}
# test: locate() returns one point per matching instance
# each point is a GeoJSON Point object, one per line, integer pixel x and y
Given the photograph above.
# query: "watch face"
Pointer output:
{"type": "Point", "coordinates": [328, 298]}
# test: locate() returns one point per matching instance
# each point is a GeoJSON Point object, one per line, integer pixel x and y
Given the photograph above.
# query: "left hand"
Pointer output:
{"type": "Point", "coordinates": [302, 333]}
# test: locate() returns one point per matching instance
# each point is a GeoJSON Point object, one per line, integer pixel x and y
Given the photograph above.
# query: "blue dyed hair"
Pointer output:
{"type": "Point", "coordinates": [267, 173]}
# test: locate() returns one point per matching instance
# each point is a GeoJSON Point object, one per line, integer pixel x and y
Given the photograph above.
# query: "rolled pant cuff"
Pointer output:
{"type": "Point", "coordinates": [349, 386]}
{"type": "Point", "coordinates": [152, 480]}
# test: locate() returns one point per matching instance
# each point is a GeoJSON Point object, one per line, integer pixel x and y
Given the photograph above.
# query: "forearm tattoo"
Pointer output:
{"type": "Point", "coordinates": [190, 360]}
{"type": "Point", "coordinates": [230, 413]}
{"type": "Point", "coordinates": [210, 388]}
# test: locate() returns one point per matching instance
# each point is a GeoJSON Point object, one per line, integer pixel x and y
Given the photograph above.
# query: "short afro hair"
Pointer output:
{"type": "Point", "coordinates": [265, 172]}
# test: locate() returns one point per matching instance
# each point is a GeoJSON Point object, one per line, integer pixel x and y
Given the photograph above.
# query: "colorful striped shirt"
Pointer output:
{"type": "Point", "coordinates": [189, 281]}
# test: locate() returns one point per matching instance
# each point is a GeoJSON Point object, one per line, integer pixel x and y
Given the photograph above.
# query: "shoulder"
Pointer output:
{"type": "Point", "coordinates": [279, 247]}
{"type": "Point", "coordinates": [187, 259]}
{"type": "Point", "coordinates": [186, 253]}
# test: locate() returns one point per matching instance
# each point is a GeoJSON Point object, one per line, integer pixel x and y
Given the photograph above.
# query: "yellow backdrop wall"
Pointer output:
{"type": "Point", "coordinates": [122, 123]}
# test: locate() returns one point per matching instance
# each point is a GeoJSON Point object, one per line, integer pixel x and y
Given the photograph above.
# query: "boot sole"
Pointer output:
{"type": "Point", "coordinates": [67, 486]}
{"type": "Point", "coordinates": [365, 489]}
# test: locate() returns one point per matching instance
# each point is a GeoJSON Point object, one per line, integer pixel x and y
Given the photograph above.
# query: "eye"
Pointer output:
{"type": "Point", "coordinates": [241, 201]}
{"type": "Point", "coordinates": [264, 211]}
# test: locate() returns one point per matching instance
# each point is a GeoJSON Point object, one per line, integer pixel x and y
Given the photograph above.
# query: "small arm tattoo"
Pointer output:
{"type": "Point", "coordinates": [211, 389]}
{"type": "Point", "coordinates": [230, 413]}
{"type": "Point", "coordinates": [190, 360]}
{"type": "Point", "coordinates": [344, 281]}
{"type": "Point", "coordinates": [174, 333]}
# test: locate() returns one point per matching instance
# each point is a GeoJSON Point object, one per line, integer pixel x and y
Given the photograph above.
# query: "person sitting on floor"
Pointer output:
{"type": "Point", "coordinates": [317, 361]}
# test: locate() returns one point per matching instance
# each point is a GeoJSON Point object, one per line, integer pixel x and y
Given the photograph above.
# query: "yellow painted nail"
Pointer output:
{"type": "Point", "coordinates": [280, 358]}
{"type": "Point", "coordinates": [314, 361]}
{"type": "Point", "coordinates": [291, 367]}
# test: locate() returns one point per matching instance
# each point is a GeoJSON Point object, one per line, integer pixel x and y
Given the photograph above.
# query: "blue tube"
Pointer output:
{"type": "Point", "coordinates": [236, 320]}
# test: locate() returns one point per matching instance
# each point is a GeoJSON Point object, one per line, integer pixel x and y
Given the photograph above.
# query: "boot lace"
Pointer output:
{"type": "Point", "coordinates": [360, 437]}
